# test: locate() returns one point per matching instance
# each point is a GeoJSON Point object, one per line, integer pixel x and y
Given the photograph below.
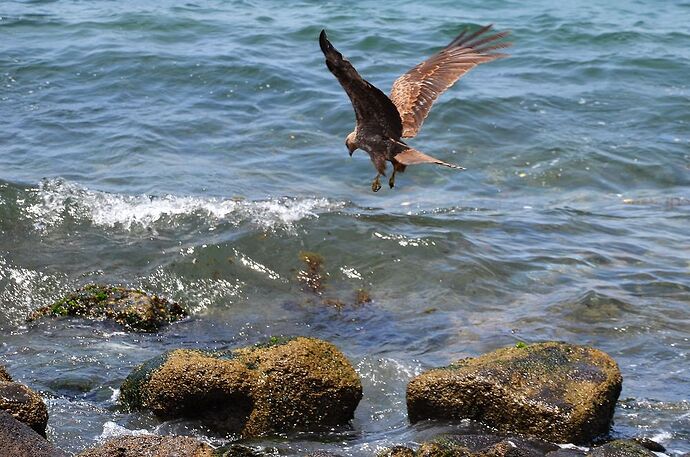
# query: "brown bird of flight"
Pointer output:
{"type": "Point", "coordinates": [381, 121]}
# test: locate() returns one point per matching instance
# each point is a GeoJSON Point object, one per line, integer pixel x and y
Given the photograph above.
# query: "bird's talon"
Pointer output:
{"type": "Point", "coordinates": [391, 181]}
{"type": "Point", "coordinates": [376, 185]}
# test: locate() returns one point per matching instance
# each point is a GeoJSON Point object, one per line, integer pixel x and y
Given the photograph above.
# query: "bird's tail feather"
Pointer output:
{"type": "Point", "coordinates": [413, 157]}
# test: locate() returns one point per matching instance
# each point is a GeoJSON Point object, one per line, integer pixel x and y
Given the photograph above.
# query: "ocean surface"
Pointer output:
{"type": "Point", "coordinates": [195, 149]}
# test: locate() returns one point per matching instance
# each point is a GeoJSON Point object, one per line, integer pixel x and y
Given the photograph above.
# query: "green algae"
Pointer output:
{"type": "Point", "coordinates": [132, 308]}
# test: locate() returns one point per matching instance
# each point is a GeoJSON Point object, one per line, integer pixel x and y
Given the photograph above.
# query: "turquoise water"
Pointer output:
{"type": "Point", "coordinates": [194, 149]}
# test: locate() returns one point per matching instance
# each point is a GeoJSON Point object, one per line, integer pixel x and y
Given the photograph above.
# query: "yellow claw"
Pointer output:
{"type": "Point", "coordinates": [376, 184]}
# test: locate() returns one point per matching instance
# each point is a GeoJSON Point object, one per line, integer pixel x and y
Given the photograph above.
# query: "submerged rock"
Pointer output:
{"type": "Point", "coordinates": [238, 450]}
{"type": "Point", "coordinates": [313, 278]}
{"type": "Point", "coordinates": [473, 445]}
{"type": "Point", "coordinates": [133, 309]}
{"type": "Point", "coordinates": [24, 404]}
{"type": "Point", "coordinates": [285, 385]}
{"type": "Point", "coordinates": [19, 440]}
{"type": "Point", "coordinates": [484, 446]}
{"type": "Point", "coordinates": [322, 454]}
{"type": "Point", "coordinates": [150, 446]}
{"type": "Point", "coordinates": [621, 448]}
{"type": "Point", "coordinates": [555, 391]}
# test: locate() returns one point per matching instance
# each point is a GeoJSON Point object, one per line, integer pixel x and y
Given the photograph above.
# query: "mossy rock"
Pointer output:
{"type": "Point", "coordinates": [555, 391]}
{"type": "Point", "coordinates": [396, 451]}
{"type": "Point", "coordinates": [25, 405]}
{"type": "Point", "coordinates": [472, 445]}
{"type": "Point", "coordinates": [4, 375]}
{"type": "Point", "coordinates": [238, 450]}
{"type": "Point", "coordinates": [19, 440]}
{"type": "Point", "coordinates": [150, 446]}
{"type": "Point", "coordinates": [134, 309]}
{"type": "Point", "coordinates": [285, 385]}
{"type": "Point", "coordinates": [621, 448]}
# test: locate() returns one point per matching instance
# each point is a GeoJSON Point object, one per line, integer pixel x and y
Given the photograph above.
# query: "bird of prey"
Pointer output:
{"type": "Point", "coordinates": [381, 121]}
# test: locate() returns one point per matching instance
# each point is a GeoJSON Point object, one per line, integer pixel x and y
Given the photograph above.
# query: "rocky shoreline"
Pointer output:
{"type": "Point", "coordinates": [532, 396]}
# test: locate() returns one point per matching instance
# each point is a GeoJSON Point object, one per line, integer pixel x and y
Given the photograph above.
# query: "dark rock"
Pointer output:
{"type": "Point", "coordinates": [567, 452]}
{"type": "Point", "coordinates": [286, 385]}
{"type": "Point", "coordinates": [555, 391]}
{"type": "Point", "coordinates": [24, 404]}
{"type": "Point", "coordinates": [150, 446]}
{"type": "Point", "coordinates": [133, 309]}
{"type": "Point", "coordinates": [620, 448]}
{"type": "Point", "coordinates": [649, 444]}
{"type": "Point", "coordinates": [19, 440]}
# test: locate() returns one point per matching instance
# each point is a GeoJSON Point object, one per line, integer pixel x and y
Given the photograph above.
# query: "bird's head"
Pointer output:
{"type": "Point", "coordinates": [351, 143]}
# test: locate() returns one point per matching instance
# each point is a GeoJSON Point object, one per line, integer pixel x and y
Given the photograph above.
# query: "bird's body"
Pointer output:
{"type": "Point", "coordinates": [382, 121]}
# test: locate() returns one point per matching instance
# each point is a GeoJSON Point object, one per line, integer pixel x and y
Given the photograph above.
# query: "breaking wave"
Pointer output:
{"type": "Point", "coordinates": [54, 201]}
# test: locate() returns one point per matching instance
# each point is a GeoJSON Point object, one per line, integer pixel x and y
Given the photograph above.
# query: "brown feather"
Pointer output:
{"type": "Point", "coordinates": [415, 92]}
{"type": "Point", "coordinates": [373, 108]}
{"type": "Point", "coordinates": [413, 157]}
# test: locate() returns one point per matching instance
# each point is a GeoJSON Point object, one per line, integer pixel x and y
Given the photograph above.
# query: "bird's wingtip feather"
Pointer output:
{"type": "Point", "coordinates": [323, 41]}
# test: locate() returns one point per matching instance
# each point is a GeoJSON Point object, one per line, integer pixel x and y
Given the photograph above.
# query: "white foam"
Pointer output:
{"type": "Point", "coordinates": [350, 273]}
{"type": "Point", "coordinates": [57, 199]}
{"type": "Point", "coordinates": [112, 430]}
{"type": "Point", "coordinates": [256, 266]}
{"type": "Point", "coordinates": [405, 241]}
{"type": "Point", "coordinates": [20, 287]}
{"type": "Point", "coordinates": [662, 436]}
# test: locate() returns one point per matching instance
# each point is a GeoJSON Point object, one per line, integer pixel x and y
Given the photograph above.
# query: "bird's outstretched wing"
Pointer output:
{"type": "Point", "coordinates": [414, 92]}
{"type": "Point", "coordinates": [413, 157]}
{"type": "Point", "coordinates": [373, 108]}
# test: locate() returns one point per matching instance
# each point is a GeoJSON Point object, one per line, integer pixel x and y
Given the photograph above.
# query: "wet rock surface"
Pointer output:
{"type": "Point", "coordinates": [284, 385]}
{"type": "Point", "coordinates": [487, 445]}
{"type": "Point", "coordinates": [396, 451]}
{"type": "Point", "coordinates": [24, 404]}
{"type": "Point", "coordinates": [649, 444]}
{"type": "Point", "coordinates": [4, 375]}
{"type": "Point", "coordinates": [621, 448]}
{"type": "Point", "coordinates": [484, 446]}
{"type": "Point", "coordinates": [19, 440]}
{"type": "Point", "coordinates": [555, 391]}
{"type": "Point", "coordinates": [134, 309]}
{"type": "Point", "coordinates": [238, 450]}
{"type": "Point", "coordinates": [150, 446]}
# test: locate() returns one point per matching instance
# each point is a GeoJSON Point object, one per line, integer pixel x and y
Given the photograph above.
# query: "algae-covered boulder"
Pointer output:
{"type": "Point", "coordinates": [556, 391]}
{"type": "Point", "coordinates": [24, 404]}
{"type": "Point", "coordinates": [473, 445]}
{"type": "Point", "coordinates": [296, 384]}
{"type": "Point", "coordinates": [396, 451]}
{"type": "Point", "coordinates": [133, 309]}
{"type": "Point", "coordinates": [621, 448]}
{"type": "Point", "coordinates": [19, 440]}
{"type": "Point", "coordinates": [4, 375]}
{"type": "Point", "coordinates": [150, 446]}
{"type": "Point", "coordinates": [484, 446]}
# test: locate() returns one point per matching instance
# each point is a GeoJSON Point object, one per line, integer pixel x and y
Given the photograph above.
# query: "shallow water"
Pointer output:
{"type": "Point", "coordinates": [195, 149]}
